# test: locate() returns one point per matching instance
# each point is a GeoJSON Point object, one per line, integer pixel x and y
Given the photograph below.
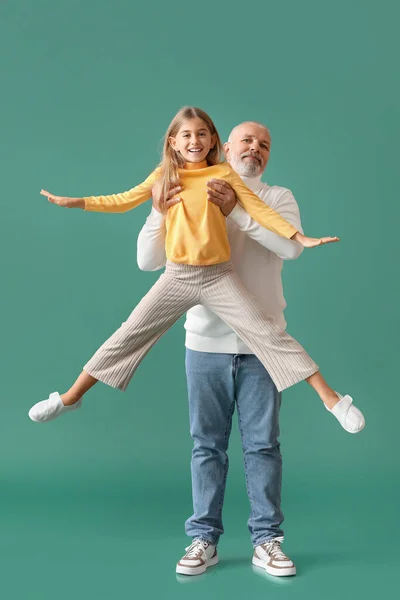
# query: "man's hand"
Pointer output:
{"type": "Point", "coordinates": [221, 193]}
{"type": "Point", "coordinates": [171, 198]}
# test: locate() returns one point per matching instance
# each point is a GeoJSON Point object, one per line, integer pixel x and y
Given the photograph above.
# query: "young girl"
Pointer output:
{"type": "Point", "coordinates": [198, 271]}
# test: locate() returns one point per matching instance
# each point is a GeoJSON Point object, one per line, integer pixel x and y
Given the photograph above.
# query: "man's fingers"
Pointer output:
{"type": "Point", "coordinates": [214, 197]}
{"type": "Point", "coordinates": [214, 194]}
{"type": "Point", "coordinates": [173, 191]}
{"type": "Point", "coordinates": [172, 202]}
{"type": "Point", "coordinates": [221, 182]}
{"type": "Point", "coordinates": [218, 186]}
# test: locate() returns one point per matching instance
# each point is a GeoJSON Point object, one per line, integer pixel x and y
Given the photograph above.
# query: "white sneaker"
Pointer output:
{"type": "Point", "coordinates": [269, 556]}
{"type": "Point", "coordinates": [50, 409]}
{"type": "Point", "coordinates": [350, 417]}
{"type": "Point", "coordinates": [199, 556]}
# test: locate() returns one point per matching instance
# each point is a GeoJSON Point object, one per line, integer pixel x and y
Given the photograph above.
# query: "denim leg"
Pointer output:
{"type": "Point", "coordinates": [211, 405]}
{"type": "Point", "coordinates": [258, 404]}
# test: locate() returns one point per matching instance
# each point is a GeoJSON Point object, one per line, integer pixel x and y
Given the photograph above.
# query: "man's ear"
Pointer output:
{"type": "Point", "coordinates": [226, 149]}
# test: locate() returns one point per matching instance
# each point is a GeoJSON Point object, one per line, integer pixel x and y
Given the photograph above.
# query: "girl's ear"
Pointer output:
{"type": "Point", "coordinates": [172, 142]}
{"type": "Point", "coordinates": [213, 140]}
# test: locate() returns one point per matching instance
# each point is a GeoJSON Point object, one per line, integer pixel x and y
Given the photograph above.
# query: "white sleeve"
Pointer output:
{"type": "Point", "coordinates": [287, 207]}
{"type": "Point", "coordinates": [151, 243]}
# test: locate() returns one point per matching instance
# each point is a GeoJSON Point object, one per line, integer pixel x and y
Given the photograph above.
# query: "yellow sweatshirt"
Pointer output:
{"type": "Point", "coordinates": [195, 227]}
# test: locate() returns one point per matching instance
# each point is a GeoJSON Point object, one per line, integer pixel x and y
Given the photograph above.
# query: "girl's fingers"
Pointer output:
{"type": "Point", "coordinates": [329, 240]}
{"type": "Point", "coordinates": [48, 195]}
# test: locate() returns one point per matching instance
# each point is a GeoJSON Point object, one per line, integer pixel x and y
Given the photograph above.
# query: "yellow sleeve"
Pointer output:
{"type": "Point", "coordinates": [118, 203]}
{"type": "Point", "coordinates": [258, 210]}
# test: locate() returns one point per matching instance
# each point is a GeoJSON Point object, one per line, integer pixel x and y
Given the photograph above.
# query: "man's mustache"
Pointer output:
{"type": "Point", "coordinates": [256, 156]}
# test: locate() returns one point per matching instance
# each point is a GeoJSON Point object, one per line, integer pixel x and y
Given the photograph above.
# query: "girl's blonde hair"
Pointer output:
{"type": "Point", "coordinates": [172, 160]}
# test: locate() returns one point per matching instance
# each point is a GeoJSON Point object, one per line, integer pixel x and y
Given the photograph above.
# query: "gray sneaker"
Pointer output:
{"type": "Point", "coordinates": [199, 556]}
{"type": "Point", "coordinates": [270, 557]}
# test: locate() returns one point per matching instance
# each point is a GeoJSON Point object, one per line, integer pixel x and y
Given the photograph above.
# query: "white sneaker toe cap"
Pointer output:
{"type": "Point", "coordinates": [50, 409]}
{"type": "Point", "coordinates": [348, 415]}
{"type": "Point", "coordinates": [355, 420]}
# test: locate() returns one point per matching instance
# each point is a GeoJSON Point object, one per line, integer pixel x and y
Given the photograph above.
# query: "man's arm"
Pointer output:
{"type": "Point", "coordinates": [151, 240]}
{"type": "Point", "coordinates": [222, 194]}
{"type": "Point", "coordinates": [151, 243]}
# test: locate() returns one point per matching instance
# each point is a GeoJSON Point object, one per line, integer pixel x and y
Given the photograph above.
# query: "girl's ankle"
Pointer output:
{"type": "Point", "coordinates": [330, 400]}
{"type": "Point", "coordinates": [69, 399]}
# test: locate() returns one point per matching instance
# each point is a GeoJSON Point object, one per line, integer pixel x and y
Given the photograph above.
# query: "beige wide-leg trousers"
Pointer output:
{"type": "Point", "coordinates": [218, 288]}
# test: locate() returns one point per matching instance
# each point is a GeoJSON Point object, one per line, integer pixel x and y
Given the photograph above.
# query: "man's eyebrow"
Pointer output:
{"type": "Point", "coordinates": [248, 135]}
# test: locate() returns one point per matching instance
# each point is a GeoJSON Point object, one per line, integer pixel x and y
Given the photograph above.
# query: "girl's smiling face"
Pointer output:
{"type": "Point", "coordinates": [193, 140]}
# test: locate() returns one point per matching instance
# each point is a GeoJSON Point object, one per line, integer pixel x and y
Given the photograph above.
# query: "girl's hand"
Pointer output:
{"type": "Point", "coordinates": [309, 242]}
{"type": "Point", "coordinates": [64, 200]}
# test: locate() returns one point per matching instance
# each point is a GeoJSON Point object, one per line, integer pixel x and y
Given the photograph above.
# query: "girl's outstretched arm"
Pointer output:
{"type": "Point", "coordinates": [115, 203]}
{"type": "Point", "coordinates": [267, 217]}
{"type": "Point", "coordinates": [309, 242]}
{"type": "Point", "coordinates": [64, 201]}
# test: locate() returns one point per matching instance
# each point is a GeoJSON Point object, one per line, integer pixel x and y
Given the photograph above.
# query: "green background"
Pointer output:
{"type": "Point", "coordinates": [93, 505]}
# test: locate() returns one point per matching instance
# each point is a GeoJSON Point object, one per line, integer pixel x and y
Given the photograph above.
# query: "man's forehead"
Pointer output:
{"type": "Point", "coordinates": [250, 129]}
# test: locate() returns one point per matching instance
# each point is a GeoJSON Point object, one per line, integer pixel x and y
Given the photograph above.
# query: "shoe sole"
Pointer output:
{"type": "Point", "coordinates": [36, 420]}
{"type": "Point", "coordinates": [197, 570]}
{"type": "Point", "coordinates": [45, 420]}
{"type": "Point", "coordinates": [355, 431]}
{"type": "Point", "coordinates": [282, 572]}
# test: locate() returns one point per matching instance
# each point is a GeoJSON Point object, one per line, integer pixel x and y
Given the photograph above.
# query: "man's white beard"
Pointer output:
{"type": "Point", "coordinates": [245, 169]}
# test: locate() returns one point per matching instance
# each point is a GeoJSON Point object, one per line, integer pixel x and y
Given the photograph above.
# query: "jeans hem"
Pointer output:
{"type": "Point", "coordinates": [268, 539]}
{"type": "Point", "coordinates": [203, 539]}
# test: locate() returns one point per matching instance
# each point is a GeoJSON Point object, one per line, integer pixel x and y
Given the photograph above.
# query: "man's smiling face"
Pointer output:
{"type": "Point", "coordinates": [248, 149]}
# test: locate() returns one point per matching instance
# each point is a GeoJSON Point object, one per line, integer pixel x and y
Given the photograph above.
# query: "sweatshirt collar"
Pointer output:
{"type": "Point", "coordinates": [196, 166]}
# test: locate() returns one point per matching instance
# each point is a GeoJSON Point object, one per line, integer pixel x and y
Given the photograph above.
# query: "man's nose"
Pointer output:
{"type": "Point", "coordinates": [255, 146]}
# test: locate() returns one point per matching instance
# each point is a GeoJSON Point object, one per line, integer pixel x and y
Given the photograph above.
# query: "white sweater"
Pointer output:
{"type": "Point", "coordinates": [256, 254]}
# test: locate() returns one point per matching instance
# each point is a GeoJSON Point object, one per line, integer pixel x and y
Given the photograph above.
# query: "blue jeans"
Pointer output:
{"type": "Point", "coordinates": [216, 383]}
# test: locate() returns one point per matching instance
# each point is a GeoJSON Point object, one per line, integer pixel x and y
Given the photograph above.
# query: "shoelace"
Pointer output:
{"type": "Point", "coordinates": [274, 549]}
{"type": "Point", "coordinates": [195, 549]}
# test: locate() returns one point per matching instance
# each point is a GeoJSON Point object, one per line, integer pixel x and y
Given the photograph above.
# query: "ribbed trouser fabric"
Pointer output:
{"type": "Point", "coordinates": [180, 288]}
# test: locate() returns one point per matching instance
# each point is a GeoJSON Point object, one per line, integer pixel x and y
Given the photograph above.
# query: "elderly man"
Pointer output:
{"type": "Point", "coordinates": [223, 373]}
